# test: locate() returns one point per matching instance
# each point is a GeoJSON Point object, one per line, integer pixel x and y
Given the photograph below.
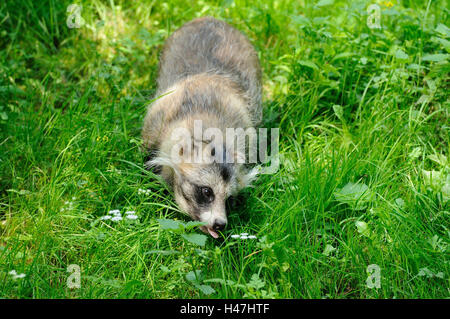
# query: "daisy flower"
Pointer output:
{"type": "Point", "coordinates": [116, 218]}
{"type": "Point", "coordinates": [132, 216]}
{"type": "Point", "coordinates": [243, 236]}
{"type": "Point", "coordinates": [115, 212]}
{"type": "Point", "coordinates": [15, 275]}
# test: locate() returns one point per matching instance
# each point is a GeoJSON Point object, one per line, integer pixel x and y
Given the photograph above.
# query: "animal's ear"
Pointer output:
{"type": "Point", "coordinates": [158, 162]}
{"type": "Point", "coordinates": [150, 156]}
{"type": "Point", "coordinates": [245, 179]}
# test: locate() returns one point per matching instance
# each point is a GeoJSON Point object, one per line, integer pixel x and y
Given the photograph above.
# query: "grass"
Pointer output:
{"type": "Point", "coordinates": [364, 142]}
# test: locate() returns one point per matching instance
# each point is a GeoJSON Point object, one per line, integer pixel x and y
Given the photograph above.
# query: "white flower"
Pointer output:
{"type": "Point", "coordinates": [244, 236]}
{"type": "Point", "coordinates": [116, 218]}
{"type": "Point", "coordinates": [106, 217]}
{"type": "Point", "coordinates": [67, 206]}
{"type": "Point", "coordinates": [15, 276]}
{"type": "Point", "coordinates": [132, 216]}
{"type": "Point", "coordinates": [131, 212]}
{"type": "Point", "coordinates": [143, 191]}
{"type": "Point", "coordinates": [115, 212]}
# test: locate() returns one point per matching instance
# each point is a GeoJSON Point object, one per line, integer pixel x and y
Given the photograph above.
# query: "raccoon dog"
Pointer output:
{"type": "Point", "coordinates": [209, 81]}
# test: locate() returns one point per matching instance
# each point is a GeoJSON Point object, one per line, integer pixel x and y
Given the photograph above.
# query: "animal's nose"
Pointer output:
{"type": "Point", "coordinates": [219, 224]}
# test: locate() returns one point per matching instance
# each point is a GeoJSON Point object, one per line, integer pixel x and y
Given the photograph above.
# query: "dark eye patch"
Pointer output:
{"type": "Point", "coordinates": [203, 195]}
{"type": "Point", "coordinates": [225, 172]}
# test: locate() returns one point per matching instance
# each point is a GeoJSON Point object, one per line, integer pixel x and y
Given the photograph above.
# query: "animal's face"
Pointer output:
{"type": "Point", "coordinates": [202, 184]}
{"type": "Point", "coordinates": [201, 191]}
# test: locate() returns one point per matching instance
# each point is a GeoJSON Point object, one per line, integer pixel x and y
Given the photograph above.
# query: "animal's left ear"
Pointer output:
{"type": "Point", "coordinates": [245, 179]}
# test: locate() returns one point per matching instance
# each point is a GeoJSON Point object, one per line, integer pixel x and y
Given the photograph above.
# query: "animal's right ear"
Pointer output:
{"type": "Point", "coordinates": [151, 155]}
{"type": "Point", "coordinates": [248, 177]}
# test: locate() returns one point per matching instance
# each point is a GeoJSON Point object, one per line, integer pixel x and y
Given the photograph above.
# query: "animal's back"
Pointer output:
{"type": "Point", "coordinates": [207, 45]}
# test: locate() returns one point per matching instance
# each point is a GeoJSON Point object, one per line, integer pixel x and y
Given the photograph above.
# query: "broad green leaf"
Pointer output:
{"type": "Point", "coordinates": [197, 239]}
{"type": "Point", "coordinates": [170, 224]}
{"type": "Point", "coordinates": [328, 250]}
{"type": "Point", "coordinates": [435, 57]}
{"type": "Point", "coordinates": [415, 67]}
{"type": "Point", "coordinates": [443, 29]}
{"type": "Point", "coordinates": [329, 68]}
{"type": "Point", "coordinates": [401, 55]}
{"type": "Point", "coordinates": [206, 289]}
{"type": "Point", "coordinates": [301, 20]}
{"type": "Point", "coordinates": [343, 55]}
{"type": "Point", "coordinates": [195, 277]}
{"type": "Point", "coordinates": [192, 224]}
{"type": "Point", "coordinates": [445, 43]}
{"type": "Point", "coordinates": [339, 112]}
{"type": "Point", "coordinates": [431, 84]}
{"type": "Point", "coordinates": [319, 21]}
{"type": "Point", "coordinates": [308, 64]}
{"type": "Point", "coordinates": [164, 269]}
{"type": "Point", "coordinates": [424, 98]}
{"type": "Point", "coordinates": [362, 228]}
{"type": "Point", "coordinates": [356, 195]}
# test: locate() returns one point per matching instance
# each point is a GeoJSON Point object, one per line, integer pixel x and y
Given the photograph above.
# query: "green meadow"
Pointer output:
{"type": "Point", "coordinates": [359, 207]}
